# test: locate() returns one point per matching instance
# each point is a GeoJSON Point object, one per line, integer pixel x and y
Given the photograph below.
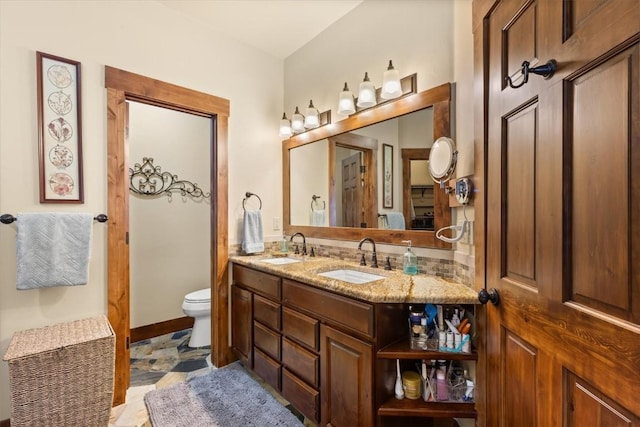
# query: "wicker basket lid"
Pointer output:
{"type": "Point", "coordinates": [38, 340]}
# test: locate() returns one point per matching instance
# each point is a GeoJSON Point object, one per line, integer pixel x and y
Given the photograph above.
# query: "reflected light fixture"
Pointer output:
{"type": "Point", "coordinates": [345, 104]}
{"type": "Point", "coordinates": [285, 127]}
{"type": "Point", "coordinates": [297, 122]}
{"type": "Point", "coordinates": [366, 93]}
{"type": "Point", "coordinates": [311, 120]}
{"type": "Point", "coordinates": [391, 87]}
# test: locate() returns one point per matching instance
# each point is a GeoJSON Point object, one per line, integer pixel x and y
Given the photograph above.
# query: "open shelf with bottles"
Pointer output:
{"type": "Point", "coordinates": [402, 350]}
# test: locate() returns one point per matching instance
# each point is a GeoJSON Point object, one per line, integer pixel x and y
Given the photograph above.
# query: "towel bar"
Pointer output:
{"type": "Point", "coordinates": [8, 218]}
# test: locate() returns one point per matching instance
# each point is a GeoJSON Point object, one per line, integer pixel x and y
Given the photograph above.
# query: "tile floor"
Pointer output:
{"type": "Point", "coordinates": [161, 362]}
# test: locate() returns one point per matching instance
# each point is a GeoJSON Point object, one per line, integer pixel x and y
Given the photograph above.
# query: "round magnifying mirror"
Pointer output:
{"type": "Point", "coordinates": [442, 159]}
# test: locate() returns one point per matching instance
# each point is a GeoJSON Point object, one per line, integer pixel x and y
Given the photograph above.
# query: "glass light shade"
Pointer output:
{"type": "Point", "coordinates": [285, 127]}
{"type": "Point", "coordinates": [345, 104]}
{"type": "Point", "coordinates": [366, 93]}
{"type": "Point", "coordinates": [297, 122]}
{"type": "Point", "coordinates": [391, 83]}
{"type": "Point", "coordinates": [312, 119]}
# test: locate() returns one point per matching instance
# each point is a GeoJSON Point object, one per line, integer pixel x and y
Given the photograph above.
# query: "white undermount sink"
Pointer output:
{"type": "Point", "coordinates": [281, 260]}
{"type": "Point", "coordinates": [351, 276]}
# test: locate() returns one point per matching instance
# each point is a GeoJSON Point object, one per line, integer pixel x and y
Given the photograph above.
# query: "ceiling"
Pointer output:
{"type": "Point", "coordinates": [277, 27]}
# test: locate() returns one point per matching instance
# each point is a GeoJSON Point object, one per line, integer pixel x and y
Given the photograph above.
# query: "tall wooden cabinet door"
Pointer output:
{"type": "Point", "coordinates": [346, 380]}
{"type": "Point", "coordinates": [562, 210]}
{"type": "Point", "coordinates": [241, 325]}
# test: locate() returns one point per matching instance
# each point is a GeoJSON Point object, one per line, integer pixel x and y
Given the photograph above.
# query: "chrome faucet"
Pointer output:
{"type": "Point", "coordinates": [374, 257]}
{"type": "Point", "coordinates": [304, 242]}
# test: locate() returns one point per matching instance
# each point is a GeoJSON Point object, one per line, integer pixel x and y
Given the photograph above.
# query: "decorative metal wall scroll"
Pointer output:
{"type": "Point", "coordinates": [149, 180]}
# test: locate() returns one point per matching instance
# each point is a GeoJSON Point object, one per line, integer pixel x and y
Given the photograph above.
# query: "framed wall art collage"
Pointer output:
{"type": "Point", "coordinates": [59, 129]}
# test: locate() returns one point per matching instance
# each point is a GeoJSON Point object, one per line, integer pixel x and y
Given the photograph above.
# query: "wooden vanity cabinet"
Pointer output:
{"type": "Point", "coordinates": [317, 348]}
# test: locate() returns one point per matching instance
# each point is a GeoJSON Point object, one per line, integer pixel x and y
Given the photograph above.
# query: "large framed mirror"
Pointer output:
{"type": "Point", "coordinates": [338, 184]}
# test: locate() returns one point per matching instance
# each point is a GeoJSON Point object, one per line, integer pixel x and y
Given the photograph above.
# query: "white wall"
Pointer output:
{"type": "Point", "coordinates": [142, 37]}
{"type": "Point", "coordinates": [169, 238]}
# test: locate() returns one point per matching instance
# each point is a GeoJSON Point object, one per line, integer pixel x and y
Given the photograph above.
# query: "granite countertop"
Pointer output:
{"type": "Point", "coordinates": [396, 286]}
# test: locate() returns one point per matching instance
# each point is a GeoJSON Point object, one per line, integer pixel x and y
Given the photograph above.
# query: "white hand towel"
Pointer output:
{"type": "Point", "coordinates": [252, 238]}
{"type": "Point", "coordinates": [53, 249]}
{"type": "Point", "coordinates": [318, 218]}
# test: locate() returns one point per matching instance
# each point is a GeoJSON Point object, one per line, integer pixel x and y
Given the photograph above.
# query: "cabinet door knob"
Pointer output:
{"type": "Point", "coordinates": [492, 295]}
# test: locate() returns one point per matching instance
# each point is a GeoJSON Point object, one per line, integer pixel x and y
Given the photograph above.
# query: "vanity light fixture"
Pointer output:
{"type": "Point", "coordinates": [312, 120]}
{"type": "Point", "coordinates": [366, 93]}
{"type": "Point", "coordinates": [345, 104]}
{"type": "Point", "coordinates": [391, 87]}
{"type": "Point", "coordinates": [285, 126]}
{"type": "Point", "coordinates": [297, 122]}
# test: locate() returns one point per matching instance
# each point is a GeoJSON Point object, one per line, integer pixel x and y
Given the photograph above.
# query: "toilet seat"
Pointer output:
{"type": "Point", "coordinates": [201, 296]}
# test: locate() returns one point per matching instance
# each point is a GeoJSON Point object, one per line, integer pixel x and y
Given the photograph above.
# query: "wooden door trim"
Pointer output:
{"type": "Point", "coordinates": [122, 86]}
{"type": "Point", "coordinates": [481, 10]}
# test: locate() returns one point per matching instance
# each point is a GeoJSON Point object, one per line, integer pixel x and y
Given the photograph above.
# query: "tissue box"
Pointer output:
{"type": "Point", "coordinates": [62, 374]}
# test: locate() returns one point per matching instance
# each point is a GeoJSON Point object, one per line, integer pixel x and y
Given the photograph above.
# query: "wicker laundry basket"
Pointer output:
{"type": "Point", "coordinates": [62, 375]}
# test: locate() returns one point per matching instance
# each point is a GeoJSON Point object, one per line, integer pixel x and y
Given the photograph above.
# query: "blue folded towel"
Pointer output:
{"type": "Point", "coordinates": [53, 249]}
{"type": "Point", "coordinates": [395, 220]}
{"type": "Point", "coordinates": [252, 239]}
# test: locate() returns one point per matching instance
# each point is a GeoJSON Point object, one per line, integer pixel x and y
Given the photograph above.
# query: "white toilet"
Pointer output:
{"type": "Point", "coordinates": [198, 305]}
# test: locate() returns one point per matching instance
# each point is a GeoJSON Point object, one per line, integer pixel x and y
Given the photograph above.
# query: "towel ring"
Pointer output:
{"type": "Point", "coordinates": [248, 195]}
{"type": "Point", "coordinates": [315, 198]}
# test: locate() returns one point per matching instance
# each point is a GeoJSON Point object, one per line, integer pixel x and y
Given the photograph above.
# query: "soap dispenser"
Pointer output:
{"type": "Point", "coordinates": [410, 260]}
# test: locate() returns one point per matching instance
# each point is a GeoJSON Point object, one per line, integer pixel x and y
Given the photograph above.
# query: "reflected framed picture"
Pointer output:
{"type": "Point", "coordinates": [387, 175]}
{"type": "Point", "coordinates": [59, 129]}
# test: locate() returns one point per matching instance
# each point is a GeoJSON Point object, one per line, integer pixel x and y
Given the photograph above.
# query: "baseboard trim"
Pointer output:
{"type": "Point", "coordinates": [157, 329]}
{"type": "Point", "coordinates": [5, 423]}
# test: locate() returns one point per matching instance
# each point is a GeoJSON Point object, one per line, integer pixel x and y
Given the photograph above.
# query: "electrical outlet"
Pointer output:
{"type": "Point", "coordinates": [276, 223]}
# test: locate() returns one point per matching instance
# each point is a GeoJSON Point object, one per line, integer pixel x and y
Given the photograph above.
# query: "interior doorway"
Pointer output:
{"type": "Point", "coordinates": [123, 86]}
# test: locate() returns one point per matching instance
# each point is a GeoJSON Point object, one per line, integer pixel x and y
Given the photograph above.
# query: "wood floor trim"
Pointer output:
{"type": "Point", "coordinates": [5, 423]}
{"type": "Point", "coordinates": [156, 329]}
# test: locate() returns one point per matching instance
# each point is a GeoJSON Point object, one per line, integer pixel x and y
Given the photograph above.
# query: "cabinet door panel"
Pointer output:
{"type": "Point", "coordinates": [266, 312]}
{"type": "Point", "coordinates": [346, 380]}
{"type": "Point", "coordinates": [348, 313]}
{"type": "Point", "coordinates": [304, 363]}
{"type": "Point", "coordinates": [266, 340]}
{"type": "Point", "coordinates": [262, 283]}
{"type": "Point", "coordinates": [241, 342]}
{"type": "Point", "coordinates": [267, 368]}
{"type": "Point", "coordinates": [306, 399]}
{"type": "Point", "coordinates": [301, 328]}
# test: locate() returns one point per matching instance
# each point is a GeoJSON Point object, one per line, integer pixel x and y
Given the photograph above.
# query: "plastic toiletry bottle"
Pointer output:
{"type": "Point", "coordinates": [455, 319]}
{"type": "Point", "coordinates": [410, 260]}
{"type": "Point", "coordinates": [442, 391]}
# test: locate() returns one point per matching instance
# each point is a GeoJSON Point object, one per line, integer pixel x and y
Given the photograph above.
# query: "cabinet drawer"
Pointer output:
{"type": "Point", "coordinates": [300, 361]}
{"type": "Point", "coordinates": [262, 283]}
{"type": "Point", "coordinates": [354, 315]}
{"type": "Point", "coordinates": [267, 369]}
{"type": "Point", "coordinates": [304, 398]}
{"type": "Point", "coordinates": [267, 312]}
{"type": "Point", "coordinates": [301, 328]}
{"type": "Point", "coordinates": [266, 340]}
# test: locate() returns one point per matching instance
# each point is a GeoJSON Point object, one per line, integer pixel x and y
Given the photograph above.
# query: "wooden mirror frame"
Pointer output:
{"type": "Point", "coordinates": [123, 86]}
{"type": "Point", "coordinates": [439, 98]}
